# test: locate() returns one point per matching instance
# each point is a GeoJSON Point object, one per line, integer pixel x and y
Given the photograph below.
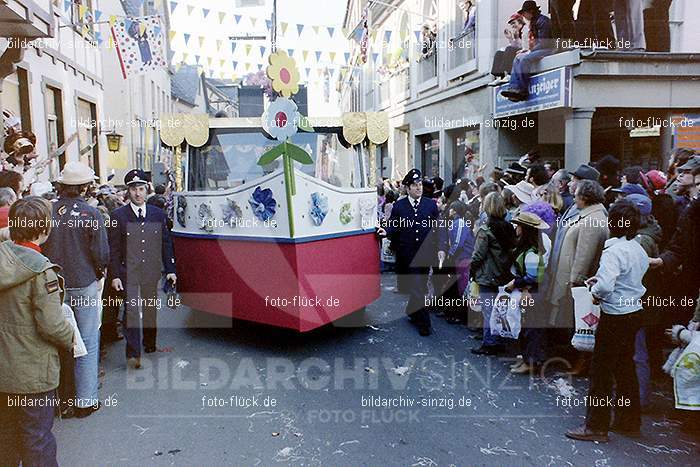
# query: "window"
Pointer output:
{"type": "Point", "coordinates": [87, 19]}
{"type": "Point", "coordinates": [88, 134]}
{"type": "Point", "coordinates": [16, 97]}
{"type": "Point", "coordinates": [462, 44]}
{"type": "Point", "coordinates": [230, 160]}
{"type": "Point", "coordinates": [428, 59]}
{"type": "Point", "coordinates": [53, 103]}
{"type": "Point", "coordinates": [465, 154]}
{"type": "Point", "coordinates": [430, 154]}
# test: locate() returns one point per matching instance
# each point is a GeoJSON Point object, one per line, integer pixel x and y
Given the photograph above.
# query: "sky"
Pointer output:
{"type": "Point", "coordinates": [200, 31]}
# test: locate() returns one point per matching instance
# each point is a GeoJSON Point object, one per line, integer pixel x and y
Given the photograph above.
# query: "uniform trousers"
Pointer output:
{"type": "Point", "coordinates": [417, 284]}
{"type": "Point", "coordinates": [141, 315]}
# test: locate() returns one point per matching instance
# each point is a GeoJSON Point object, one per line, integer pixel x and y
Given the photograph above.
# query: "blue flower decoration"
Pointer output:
{"type": "Point", "coordinates": [232, 212]}
{"type": "Point", "coordinates": [319, 208]}
{"type": "Point", "coordinates": [263, 204]}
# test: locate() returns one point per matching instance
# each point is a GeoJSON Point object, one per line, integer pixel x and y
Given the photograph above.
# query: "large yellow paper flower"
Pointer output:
{"type": "Point", "coordinates": [283, 73]}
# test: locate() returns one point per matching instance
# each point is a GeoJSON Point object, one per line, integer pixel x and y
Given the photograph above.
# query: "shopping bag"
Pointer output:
{"type": "Point", "coordinates": [586, 318]}
{"type": "Point", "coordinates": [505, 314]}
{"type": "Point", "coordinates": [388, 256]}
{"type": "Point", "coordinates": [473, 291]}
{"type": "Point", "coordinates": [686, 376]}
{"type": "Point", "coordinates": [79, 349]}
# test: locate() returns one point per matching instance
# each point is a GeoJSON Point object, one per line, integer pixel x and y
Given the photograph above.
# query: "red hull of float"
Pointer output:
{"type": "Point", "coordinates": [301, 286]}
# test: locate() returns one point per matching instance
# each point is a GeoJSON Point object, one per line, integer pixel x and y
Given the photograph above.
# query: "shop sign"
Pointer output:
{"type": "Point", "coordinates": [548, 90]}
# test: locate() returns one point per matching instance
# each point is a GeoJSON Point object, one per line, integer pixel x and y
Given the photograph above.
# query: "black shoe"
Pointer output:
{"type": "Point", "coordinates": [487, 350]}
{"type": "Point", "coordinates": [82, 412]}
{"type": "Point", "coordinates": [424, 331]}
{"type": "Point", "coordinates": [150, 349]}
{"type": "Point", "coordinates": [514, 95]}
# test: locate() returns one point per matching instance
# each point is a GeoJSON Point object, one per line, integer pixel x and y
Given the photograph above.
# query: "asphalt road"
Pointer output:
{"type": "Point", "coordinates": [221, 393]}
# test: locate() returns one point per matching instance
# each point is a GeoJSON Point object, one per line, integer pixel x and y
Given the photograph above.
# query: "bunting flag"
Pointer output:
{"type": "Point", "coordinates": [235, 64]}
{"type": "Point", "coordinates": [387, 37]}
{"type": "Point", "coordinates": [185, 56]}
{"type": "Point", "coordinates": [259, 66]}
{"type": "Point", "coordinates": [187, 38]}
{"type": "Point", "coordinates": [417, 33]}
{"type": "Point", "coordinates": [98, 15]}
{"type": "Point", "coordinates": [248, 48]}
{"type": "Point", "coordinates": [173, 5]}
{"type": "Point", "coordinates": [300, 28]}
{"type": "Point", "coordinates": [139, 52]}
{"type": "Point", "coordinates": [268, 24]}
{"type": "Point", "coordinates": [375, 56]}
{"type": "Point", "coordinates": [171, 35]}
{"type": "Point", "coordinates": [222, 16]}
{"type": "Point", "coordinates": [233, 48]}
{"type": "Point", "coordinates": [82, 9]}
{"type": "Point", "coordinates": [205, 12]}
{"type": "Point", "coordinates": [190, 9]}
{"type": "Point", "coordinates": [247, 66]}
{"type": "Point", "coordinates": [112, 20]}
{"type": "Point", "coordinates": [330, 31]}
{"type": "Point", "coordinates": [305, 54]}
{"type": "Point", "coordinates": [315, 28]}
{"type": "Point", "coordinates": [262, 51]}
{"type": "Point", "coordinates": [331, 55]}
{"type": "Point", "coordinates": [253, 21]}
{"type": "Point", "coordinates": [308, 72]}
{"type": "Point", "coordinates": [237, 18]}
{"type": "Point", "coordinates": [197, 58]}
{"type": "Point", "coordinates": [290, 52]}
{"type": "Point", "coordinates": [284, 27]}
{"type": "Point", "coordinates": [219, 43]}
{"type": "Point", "coordinates": [318, 55]}
{"type": "Point", "coordinates": [67, 4]}
{"type": "Point", "coordinates": [347, 57]}
{"type": "Point", "coordinates": [209, 60]}
{"type": "Point", "coordinates": [201, 41]}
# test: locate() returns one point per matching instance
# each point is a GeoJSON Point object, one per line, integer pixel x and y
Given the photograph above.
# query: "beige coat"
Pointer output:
{"type": "Point", "coordinates": [580, 254]}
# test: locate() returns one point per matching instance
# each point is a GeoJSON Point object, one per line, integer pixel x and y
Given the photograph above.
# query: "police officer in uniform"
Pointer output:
{"type": "Point", "coordinates": [141, 248]}
{"type": "Point", "coordinates": [409, 228]}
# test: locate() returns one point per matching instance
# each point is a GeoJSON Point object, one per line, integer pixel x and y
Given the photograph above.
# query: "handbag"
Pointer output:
{"type": "Point", "coordinates": [586, 319]}
{"type": "Point", "coordinates": [505, 319]}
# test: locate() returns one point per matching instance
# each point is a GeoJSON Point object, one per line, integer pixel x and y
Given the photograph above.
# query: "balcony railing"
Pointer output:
{"type": "Point", "coordinates": [462, 49]}
{"type": "Point", "coordinates": [427, 67]}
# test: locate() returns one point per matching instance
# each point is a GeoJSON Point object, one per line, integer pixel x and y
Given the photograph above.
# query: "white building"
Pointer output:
{"type": "Point", "coordinates": [441, 107]}
{"type": "Point", "coordinates": [57, 88]}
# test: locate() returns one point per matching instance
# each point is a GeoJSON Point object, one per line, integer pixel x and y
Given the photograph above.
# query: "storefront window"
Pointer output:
{"type": "Point", "coordinates": [430, 154]}
{"type": "Point", "coordinates": [466, 154]}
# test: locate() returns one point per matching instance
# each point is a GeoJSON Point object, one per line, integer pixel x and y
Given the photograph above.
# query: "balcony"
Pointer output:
{"type": "Point", "coordinates": [427, 71]}
{"type": "Point", "coordinates": [461, 54]}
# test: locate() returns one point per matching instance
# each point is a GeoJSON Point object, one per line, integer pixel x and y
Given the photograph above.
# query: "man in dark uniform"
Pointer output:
{"type": "Point", "coordinates": [412, 220]}
{"type": "Point", "coordinates": [141, 248]}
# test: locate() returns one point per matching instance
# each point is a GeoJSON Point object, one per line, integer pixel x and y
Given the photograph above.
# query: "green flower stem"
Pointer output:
{"type": "Point", "coordinates": [288, 184]}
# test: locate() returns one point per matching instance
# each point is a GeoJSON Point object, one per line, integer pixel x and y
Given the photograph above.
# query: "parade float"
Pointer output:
{"type": "Point", "coordinates": [275, 217]}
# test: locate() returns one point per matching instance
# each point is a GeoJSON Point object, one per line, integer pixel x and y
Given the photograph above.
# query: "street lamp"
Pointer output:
{"type": "Point", "coordinates": [114, 141]}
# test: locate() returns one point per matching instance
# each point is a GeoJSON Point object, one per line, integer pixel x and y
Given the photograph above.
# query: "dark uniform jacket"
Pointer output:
{"type": "Point", "coordinates": [78, 242]}
{"type": "Point", "coordinates": [140, 251]}
{"type": "Point", "coordinates": [412, 232]}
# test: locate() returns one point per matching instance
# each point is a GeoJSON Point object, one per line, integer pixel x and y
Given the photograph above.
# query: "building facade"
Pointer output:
{"type": "Point", "coordinates": [447, 121]}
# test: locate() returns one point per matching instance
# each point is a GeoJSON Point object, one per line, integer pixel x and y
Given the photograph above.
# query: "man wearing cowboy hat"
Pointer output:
{"type": "Point", "coordinates": [141, 248]}
{"type": "Point", "coordinates": [78, 243]}
{"type": "Point", "coordinates": [541, 34]}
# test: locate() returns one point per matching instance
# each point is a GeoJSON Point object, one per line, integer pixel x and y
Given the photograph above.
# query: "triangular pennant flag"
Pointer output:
{"type": "Point", "coordinates": [221, 63]}
{"type": "Point", "coordinates": [201, 41]}
{"type": "Point", "coordinates": [112, 20]}
{"type": "Point", "coordinates": [247, 66]}
{"type": "Point", "coordinates": [330, 31]}
{"type": "Point", "coordinates": [190, 9]}
{"type": "Point", "coordinates": [98, 15]}
{"type": "Point", "coordinates": [185, 56]}
{"type": "Point", "coordinates": [331, 55]}
{"type": "Point", "coordinates": [347, 57]}
{"type": "Point", "coordinates": [268, 24]}
{"type": "Point", "coordinates": [262, 50]}
{"type": "Point", "coordinates": [187, 38]}
{"type": "Point", "coordinates": [67, 5]}
{"type": "Point", "coordinates": [82, 9]}
{"type": "Point", "coordinates": [235, 64]}
{"type": "Point", "coordinates": [417, 33]}
{"type": "Point", "coordinates": [315, 28]}
{"type": "Point", "coordinates": [284, 27]}
{"type": "Point", "coordinates": [173, 5]}
{"type": "Point", "coordinates": [171, 35]}
{"type": "Point", "coordinates": [300, 28]}
{"type": "Point", "coordinates": [98, 37]}
{"type": "Point", "coordinates": [248, 48]}
{"type": "Point", "coordinates": [222, 16]}
{"type": "Point", "coordinates": [205, 12]}
{"type": "Point", "coordinates": [290, 52]}
{"type": "Point", "coordinates": [171, 55]}
{"type": "Point", "coordinates": [318, 55]}
{"type": "Point", "coordinates": [237, 18]}
{"type": "Point", "coordinates": [308, 72]}
{"type": "Point", "coordinates": [233, 48]}
{"type": "Point", "coordinates": [387, 37]}
{"type": "Point", "coordinates": [305, 54]}
{"type": "Point", "coordinates": [375, 56]}
{"type": "Point", "coordinates": [219, 43]}
{"type": "Point", "coordinates": [253, 21]}
{"type": "Point", "coordinates": [259, 67]}
{"type": "Point", "coordinates": [209, 60]}
{"type": "Point", "coordinates": [197, 58]}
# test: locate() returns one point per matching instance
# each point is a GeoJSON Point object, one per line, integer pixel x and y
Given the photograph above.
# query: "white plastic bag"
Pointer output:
{"type": "Point", "coordinates": [587, 317]}
{"type": "Point", "coordinates": [686, 377]}
{"type": "Point", "coordinates": [506, 314]}
{"type": "Point", "coordinates": [388, 256]}
{"type": "Point", "coordinates": [79, 349]}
